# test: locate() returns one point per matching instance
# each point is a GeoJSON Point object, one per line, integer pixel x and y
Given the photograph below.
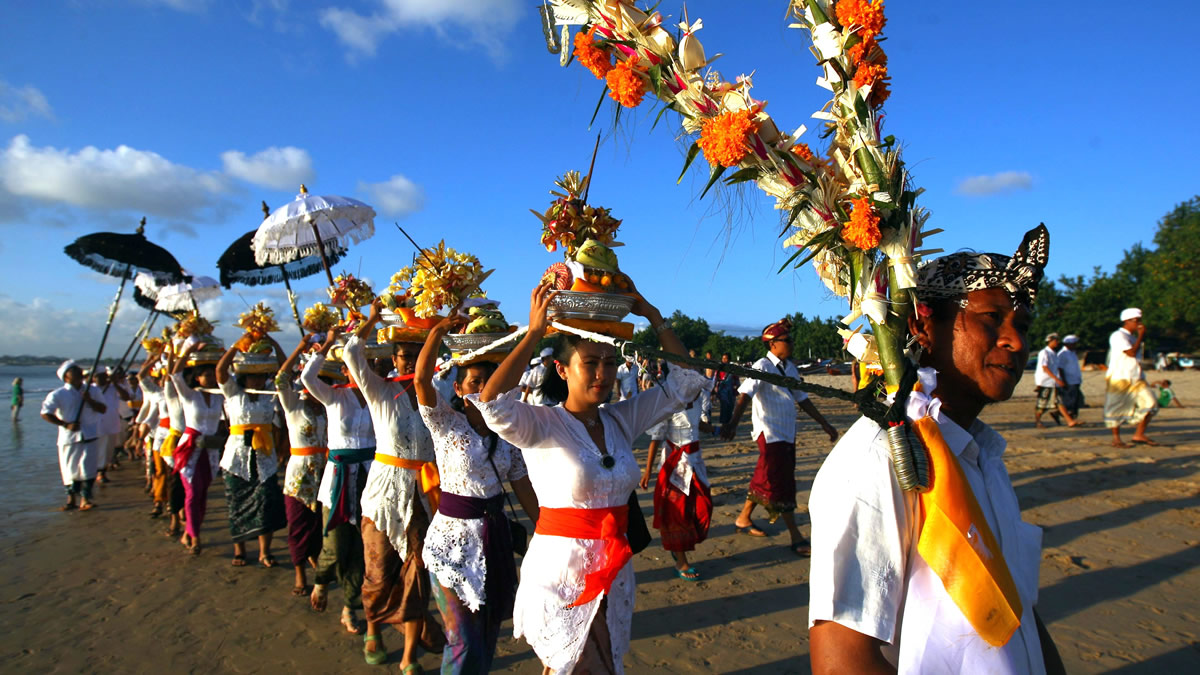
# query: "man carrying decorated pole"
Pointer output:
{"type": "Point", "coordinates": [774, 482]}
{"type": "Point", "coordinates": [77, 451]}
{"type": "Point", "coordinates": [943, 576]}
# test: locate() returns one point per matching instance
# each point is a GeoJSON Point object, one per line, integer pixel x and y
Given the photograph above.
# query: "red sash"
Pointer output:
{"type": "Point", "coordinates": [608, 524]}
{"type": "Point", "coordinates": [185, 447]}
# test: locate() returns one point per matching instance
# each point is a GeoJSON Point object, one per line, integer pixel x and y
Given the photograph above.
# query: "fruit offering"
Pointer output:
{"type": "Point", "coordinates": [485, 319]}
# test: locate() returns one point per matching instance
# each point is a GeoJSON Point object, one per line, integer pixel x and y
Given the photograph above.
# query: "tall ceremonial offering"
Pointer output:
{"type": "Point", "coordinates": [238, 265]}
{"type": "Point", "coordinates": [352, 294]}
{"type": "Point", "coordinates": [593, 294]}
{"type": "Point", "coordinates": [852, 212]}
{"type": "Point", "coordinates": [122, 255]}
{"type": "Point", "coordinates": [312, 224]}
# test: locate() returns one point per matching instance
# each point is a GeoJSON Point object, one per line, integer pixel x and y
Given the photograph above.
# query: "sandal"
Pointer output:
{"type": "Point", "coordinates": [88, 506]}
{"type": "Point", "coordinates": [409, 668]}
{"type": "Point", "coordinates": [377, 657]}
{"type": "Point", "coordinates": [69, 506]}
{"type": "Point", "coordinates": [802, 548]}
{"type": "Point", "coordinates": [690, 574]}
{"type": "Point", "coordinates": [239, 560]}
{"type": "Point", "coordinates": [267, 561]}
{"type": "Point", "coordinates": [301, 590]}
{"type": "Point", "coordinates": [751, 530]}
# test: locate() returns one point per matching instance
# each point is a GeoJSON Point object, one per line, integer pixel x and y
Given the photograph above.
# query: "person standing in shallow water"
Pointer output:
{"type": "Point", "coordinates": [18, 398]}
{"type": "Point", "coordinates": [77, 452]}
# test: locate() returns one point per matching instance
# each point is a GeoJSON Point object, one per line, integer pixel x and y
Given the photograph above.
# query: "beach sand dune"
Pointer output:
{"type": "Point", "coordinates": [1120, 590]}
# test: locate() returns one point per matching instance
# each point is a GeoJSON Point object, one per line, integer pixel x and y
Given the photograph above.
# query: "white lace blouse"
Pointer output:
{"type": "Point", "coordinates": [349, 426]}
{"type": "Point", "coordinates": [565, 470]}
{"type": "Point", "coordinates": [454, 546]}
{"type": "Point", "coordinates": [681, 429]}
{"type": "Point", "coordinates": [306, 429]}
{"type": "Point", "coordinates": [204, 417]}
{"type": "Point", "coordinates": [391, 491]}
{"type": "Point", "coordinates": [243, 408]}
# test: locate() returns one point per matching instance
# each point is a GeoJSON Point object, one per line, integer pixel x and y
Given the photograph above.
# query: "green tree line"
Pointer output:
{"type": "Point", "coordinates": [1164, 281]}
{"type": "Point", "coordinates": [816, 335]}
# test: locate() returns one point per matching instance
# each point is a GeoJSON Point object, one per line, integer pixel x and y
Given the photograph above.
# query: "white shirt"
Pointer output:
{"type": "Point", "coordinates": [565, 470]}
{"type": "Point", "coordinates": [453, 550]}
{"type": "Point", "coordinates": [203, 416]}
{"type": "Point", "coordinates": [64, 403]}
{"type": "Point", "coordinates": [774, 408]}
{"type": "Point", "coordinates": [679, 430]}
{"type": "Point", "coordinates": [110, 419]}
{"type": "Point", "coordinates": [443, 381]}
{"type": "Point", "coordinates": [349, 426]}
{"type": "Point", "coordinates": [866, 573]}
{"type": "Point", "coordinates": [627, 376]}
{"type": "Point", "coordinates": [128, 411]}
{"type": "Point", "coordinates": [243, 408]}
{"type": "Point", "coordinates": [533, 379]}
{"type": "Point", "coordinates": [152, 395]}
{"type": "Point", "coordinates": [1068, 366]}
{"type": "Point", "coordinates": [1122, 366]}
{"type": "Point", "coordinates": [1046, 359]}
{"type": "Point", "coordinates": [392, 493]}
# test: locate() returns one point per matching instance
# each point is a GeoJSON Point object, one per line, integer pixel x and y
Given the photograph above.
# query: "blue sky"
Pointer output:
{"type": "Point", "coordinates": [452, 119]}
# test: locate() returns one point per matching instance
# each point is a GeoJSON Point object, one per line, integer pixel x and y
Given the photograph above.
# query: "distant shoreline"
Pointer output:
{"type": "Point", "coordinates": [25, 360]}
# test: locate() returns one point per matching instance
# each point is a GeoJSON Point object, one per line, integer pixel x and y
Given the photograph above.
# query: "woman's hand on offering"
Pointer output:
{"type": "Point", "coordinates": [539, 308]}
{"type": "Point", "coordinates": [456, 319]}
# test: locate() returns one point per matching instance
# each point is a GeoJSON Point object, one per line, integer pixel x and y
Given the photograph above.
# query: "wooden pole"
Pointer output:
{"type": "Point", "coordinates": [292, 300]}
{"type": "Point", "coordinates": [112, 313]}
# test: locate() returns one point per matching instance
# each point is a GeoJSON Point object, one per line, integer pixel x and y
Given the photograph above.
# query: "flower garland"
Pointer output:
{"type": "Point", "coordinates": [852, 212]}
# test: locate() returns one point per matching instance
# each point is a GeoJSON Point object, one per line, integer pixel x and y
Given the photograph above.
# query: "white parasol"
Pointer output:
{"type": "Point", "coordinates": [184, 297]}
{"type": "Point", "coordinates": [311, 224]}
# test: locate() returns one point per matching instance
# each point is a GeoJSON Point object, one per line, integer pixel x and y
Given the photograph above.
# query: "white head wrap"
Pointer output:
{"type": "Point", "coordinates": [62, 370]}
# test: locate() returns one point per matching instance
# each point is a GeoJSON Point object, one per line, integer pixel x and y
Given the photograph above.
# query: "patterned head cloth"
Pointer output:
{"type": "Point", "coordinates": [780, 329]}
{"type": "Point", "coordinates": [957, 274]}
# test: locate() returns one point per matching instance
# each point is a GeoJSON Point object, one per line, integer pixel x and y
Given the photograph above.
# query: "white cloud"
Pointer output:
{"type": "Point", "coordinates": [485, 22]}
{"type": "Point", "coordinates": [997, 183]}
{"type": "Point", "coordinates": [280, 168]}
{"type": "Point", "coordinates": [123, 178]}
{"type": "Point", "coordinates": [20, 103]}
{"type": "Point", "coordinates": [396, 196]}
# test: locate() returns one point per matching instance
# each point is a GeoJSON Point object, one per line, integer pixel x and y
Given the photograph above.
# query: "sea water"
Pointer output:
{"type": "Point", "coordinates": [30, 483]}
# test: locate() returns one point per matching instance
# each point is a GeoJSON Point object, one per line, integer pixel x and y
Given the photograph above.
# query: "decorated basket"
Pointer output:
{"type": "Point", "coordinates": [249, 363]}
{"type": "Point", "coordinates": [592, 306]}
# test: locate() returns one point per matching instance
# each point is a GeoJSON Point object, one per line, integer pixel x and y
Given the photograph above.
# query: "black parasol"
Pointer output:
{"type": "Point", "coordinates": [122, 255]}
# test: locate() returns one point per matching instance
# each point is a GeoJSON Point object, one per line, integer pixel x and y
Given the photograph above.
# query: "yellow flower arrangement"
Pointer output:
{"type": "Point", "coordinates": [320, 318]}
{"type": "Point", "coordinates": [438, 277]}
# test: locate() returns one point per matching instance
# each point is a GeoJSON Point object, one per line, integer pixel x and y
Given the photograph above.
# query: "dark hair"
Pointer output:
{"type": "Point", "coordinates": [553, 386]}
{"type": "Point", "coordinates": [460, 375]}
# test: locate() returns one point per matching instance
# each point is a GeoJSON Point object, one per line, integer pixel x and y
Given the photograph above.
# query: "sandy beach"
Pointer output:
{"type": "Point", "coordinates": [1120, 586]}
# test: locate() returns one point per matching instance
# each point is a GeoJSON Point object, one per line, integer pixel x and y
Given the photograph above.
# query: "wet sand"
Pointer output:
{"type": "Point", "coordinates": [105, 591]}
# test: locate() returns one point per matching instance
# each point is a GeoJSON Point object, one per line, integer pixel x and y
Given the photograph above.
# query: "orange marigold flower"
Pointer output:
{"type": "Point", "coordinates": [625, 86]}
{"type": "Point", "coordinates": [865, 14]}
{"type": "Point", "coordinates": [723, 138]}
{"type": "Point", "coordinates": [804, 152]}
{"type": "Point", "coordinates": [597, 60]}
{"type": "Point", "coordinates": [869, 73]}
{"type": "Point", "coordinates": [867, 50]}
{"type": "Point", "coordinates": [863, 229]}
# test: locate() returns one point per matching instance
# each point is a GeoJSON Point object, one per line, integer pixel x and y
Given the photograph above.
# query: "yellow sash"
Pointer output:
{"type": "Point", "coordinates": [431, 481]}
{"type": "Point", "coordinates": [263, 440]}
{"type": "Point", "coordinates": [958, 545]}
{"type": "Point", "coordinates": [168, 445]}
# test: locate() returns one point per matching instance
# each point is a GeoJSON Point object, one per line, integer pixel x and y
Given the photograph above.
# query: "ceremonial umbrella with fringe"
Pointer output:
{"type": "Point", "coordinates": [186, 296]}
{"type": "Point", "coordinates": [238, 266]}
{"type": "Point", "coordinates": [122, 255]}
{"type": "Point", "coordinates": [311, 224]}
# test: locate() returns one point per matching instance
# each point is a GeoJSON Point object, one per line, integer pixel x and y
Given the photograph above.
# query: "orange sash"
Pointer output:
{"type": "Point", "coordinates": [958, 545]}
{"type": "Point", "coordinates": [305, 452]}
{"type": "Point", "coordinates": [164, 423]}
{"type": "Point", "coordinates": [608, 524]}
{"type": "Point", "coordinates": [431, 481]}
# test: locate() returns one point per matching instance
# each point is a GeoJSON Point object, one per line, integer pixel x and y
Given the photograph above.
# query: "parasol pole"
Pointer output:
{"type": "Point", "coordinates": [283, 272]}
{"type": "Point", "coordinates": [317, 235]}
{"type": "Point", "coordinates": [112, 314]}
{"type": "Point", "coordinates": [292, 300]}
{"type": "Point", "coordinates": [147, 325]}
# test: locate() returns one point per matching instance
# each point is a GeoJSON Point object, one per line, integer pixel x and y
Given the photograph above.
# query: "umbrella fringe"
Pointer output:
{"type": "Point", "coordinates": [284, 256]}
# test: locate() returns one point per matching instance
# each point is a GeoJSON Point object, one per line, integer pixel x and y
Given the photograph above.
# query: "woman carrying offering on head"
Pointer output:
{"type": "Point", "coordinates": [469, 548]}
{"type": "Point", "coordinates": [398, 502]}
{"type": "Point", "coordinates": [574, 604]}
{"type": "Point", "coordinates": [198, 452]}
{"type": "Point", "coordinates": [255, 499]}
{"type": "Point", "coordinates": [306, 426]}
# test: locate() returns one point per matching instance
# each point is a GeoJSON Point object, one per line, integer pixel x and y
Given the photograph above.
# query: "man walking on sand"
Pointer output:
{"type": "Point", "coordinates": [774, 416]}
{"type": "Point", "coordinates": [1047, 383]}
{"type": "Point", "coordinates": [1069, 395]}
{"type": "Point", "coordinates": [1128, 398]}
